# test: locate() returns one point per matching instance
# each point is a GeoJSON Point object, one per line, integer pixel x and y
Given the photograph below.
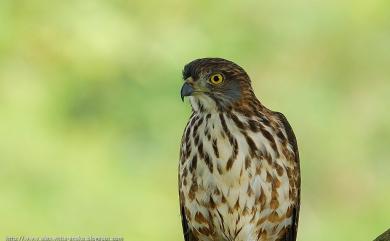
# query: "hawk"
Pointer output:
{"type": "Point", "coordinates": [239, 174]}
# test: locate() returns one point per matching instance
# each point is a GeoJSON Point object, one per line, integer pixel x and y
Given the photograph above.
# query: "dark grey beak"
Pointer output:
{"type": "Point", "coordinates": [186, 90]}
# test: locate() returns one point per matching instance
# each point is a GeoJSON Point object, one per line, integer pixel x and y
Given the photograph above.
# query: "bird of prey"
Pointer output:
{"type": "Point", "coordinates": [239, 174]}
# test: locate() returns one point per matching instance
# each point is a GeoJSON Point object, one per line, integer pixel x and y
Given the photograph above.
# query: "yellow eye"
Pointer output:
{"type": "Point", "coordinates": [216, 79]}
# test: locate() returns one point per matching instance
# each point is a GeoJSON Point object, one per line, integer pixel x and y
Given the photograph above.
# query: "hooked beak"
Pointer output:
{"type": "Point", "coordinates": [186, 90]}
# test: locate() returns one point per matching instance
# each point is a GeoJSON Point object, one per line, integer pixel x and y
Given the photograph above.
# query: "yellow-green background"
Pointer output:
{"type": "Point", "coordinates": [91, 118]}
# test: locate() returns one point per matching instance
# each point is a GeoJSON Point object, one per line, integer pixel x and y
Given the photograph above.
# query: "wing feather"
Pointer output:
{"type": "Point", "coordinates": [186, 231]}
{"type": "Point", "coordinates": [291, 233]}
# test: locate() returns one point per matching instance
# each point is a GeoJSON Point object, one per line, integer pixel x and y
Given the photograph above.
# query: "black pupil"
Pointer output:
{"type": "Point", "coordinates": [216, 78]}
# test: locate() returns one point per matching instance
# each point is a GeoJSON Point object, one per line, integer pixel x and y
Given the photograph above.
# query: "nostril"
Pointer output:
{"type": "Point", "coordinates": [190, 80]}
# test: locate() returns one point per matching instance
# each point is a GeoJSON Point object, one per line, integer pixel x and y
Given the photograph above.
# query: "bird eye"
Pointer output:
{"type": "Point", "coordinates": [216, 79]}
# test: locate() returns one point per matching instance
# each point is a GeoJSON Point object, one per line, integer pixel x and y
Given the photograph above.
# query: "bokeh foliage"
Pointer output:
{"type": "Point", "coordinates": [91, 119]}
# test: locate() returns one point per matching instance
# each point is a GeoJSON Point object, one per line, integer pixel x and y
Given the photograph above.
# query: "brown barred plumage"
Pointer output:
{"type": "Point", "coordinates": [239, 174]}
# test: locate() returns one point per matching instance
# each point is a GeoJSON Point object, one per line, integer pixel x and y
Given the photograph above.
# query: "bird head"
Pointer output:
{"type": "Point", "coordinates": [215, 84]}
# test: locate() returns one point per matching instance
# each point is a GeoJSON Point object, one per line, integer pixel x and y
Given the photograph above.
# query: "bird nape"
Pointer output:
{"type": "Point", "coordinates": [239, 174]}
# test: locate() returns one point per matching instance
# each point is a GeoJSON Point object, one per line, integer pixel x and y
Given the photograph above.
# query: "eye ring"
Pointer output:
{"type": "Point", "coordinates": [216, 79]}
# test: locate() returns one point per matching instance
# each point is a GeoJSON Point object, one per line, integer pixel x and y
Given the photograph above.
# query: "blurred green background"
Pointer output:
{"type": "Point", "coordinates": [91, 118]}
